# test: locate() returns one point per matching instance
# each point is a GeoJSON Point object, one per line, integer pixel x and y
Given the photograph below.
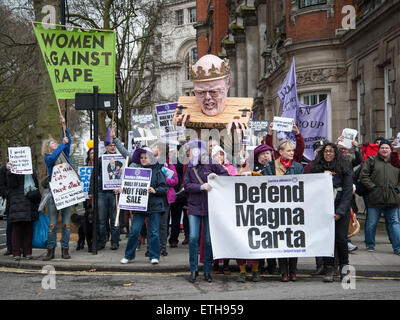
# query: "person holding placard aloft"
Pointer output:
{"type": "Point", "coordinates": [55, 154]}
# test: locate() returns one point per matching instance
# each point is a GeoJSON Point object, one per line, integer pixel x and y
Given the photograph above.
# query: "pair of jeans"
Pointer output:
{"type": "Point", "coordinates": [66, 224]}
{"type": "Point", "coordinates": [195, 227]}
{"type": "Point", "coordinates": [176, 214]}
{"type": "Point", "coordinates": [153, 238]}
{"type": "Point", "coordinates": [107, 208]}
{"type": "Point", "coordinates": [392, 225]}
{"type": "Point", "coordinates": [164, 223]}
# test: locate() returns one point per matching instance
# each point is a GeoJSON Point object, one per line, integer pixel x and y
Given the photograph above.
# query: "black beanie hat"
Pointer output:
{"type": "Point", "coordinates": [384, 141]}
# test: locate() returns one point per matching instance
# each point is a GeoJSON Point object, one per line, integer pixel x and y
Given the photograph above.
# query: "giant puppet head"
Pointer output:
{"type": "Point", "coordinates": [210, 76]}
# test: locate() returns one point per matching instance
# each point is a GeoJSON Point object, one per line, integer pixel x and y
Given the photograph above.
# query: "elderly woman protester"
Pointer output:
{"type": "Point", "coordinates": [330, 160]}
{"type": "Point", "coordinates": [200, 168]}
{"type": "Point", "coordinates": [285, 165]}
{"type": "Point", "coordinates": [54, 154]}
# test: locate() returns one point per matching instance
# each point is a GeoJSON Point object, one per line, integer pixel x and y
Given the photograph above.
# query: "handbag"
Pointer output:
{"type": "Point", "coordinates": [354, 225]}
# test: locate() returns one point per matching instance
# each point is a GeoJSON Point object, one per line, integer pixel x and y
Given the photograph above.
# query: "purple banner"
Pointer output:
{"type": "Point", "coordinates": [313, 124]}
{"type": "Point", "coordinates": [288, 96]}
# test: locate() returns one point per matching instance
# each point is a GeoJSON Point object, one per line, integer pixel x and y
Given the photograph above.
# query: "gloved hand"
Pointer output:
{"type": "Point", "coordinates": [205, 186]}
{"type": "Point", "coordinates": [212, 175]}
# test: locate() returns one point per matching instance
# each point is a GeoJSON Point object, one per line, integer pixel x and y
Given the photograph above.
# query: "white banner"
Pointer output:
{"type": "Point", "coordinates": [21, 160]}
{"type": "Point", "coordinates": [272, 216]}
{"type": "Point", "coordinates": [65, 186]}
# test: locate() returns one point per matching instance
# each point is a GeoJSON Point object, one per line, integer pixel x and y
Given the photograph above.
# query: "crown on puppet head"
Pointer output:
{"type": "Point", "coordinates": [211, 74]}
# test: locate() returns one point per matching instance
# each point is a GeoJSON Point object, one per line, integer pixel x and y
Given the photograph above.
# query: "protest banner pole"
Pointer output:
{"type": "Point", "coordinates": [59, 110]}
{"type": "Point", "coordinates": [95, 167]}
{"type": "Point", "coordinates": [116, 199]}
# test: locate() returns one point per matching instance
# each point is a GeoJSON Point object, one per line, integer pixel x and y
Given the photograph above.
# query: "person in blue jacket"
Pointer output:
{"type": "Point", "coordinates": [54, 154]}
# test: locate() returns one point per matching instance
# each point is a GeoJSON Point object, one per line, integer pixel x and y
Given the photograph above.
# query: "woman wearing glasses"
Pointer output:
{"type": "Point", "coordinates": [330, 160]}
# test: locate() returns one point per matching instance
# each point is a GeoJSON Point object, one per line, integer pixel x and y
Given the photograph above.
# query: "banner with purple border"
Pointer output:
{"type": "Point", "coordinates": [165, 114]}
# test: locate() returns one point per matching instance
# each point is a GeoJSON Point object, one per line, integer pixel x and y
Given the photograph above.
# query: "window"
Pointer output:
{"type": "Point", "coordinates": [190, 59]}
{"type": "Point", "coordinates": [311, 99]}
{"type": "Point", "coordinates": [308, 3]}
{"type": "Point", "coordinates": [192, 15]}
{"type": "Point", "coordinates": [179, 17]}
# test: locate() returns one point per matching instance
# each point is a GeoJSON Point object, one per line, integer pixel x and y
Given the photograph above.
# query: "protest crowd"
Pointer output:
{"type": "Point", "coordinates": [142, 189]}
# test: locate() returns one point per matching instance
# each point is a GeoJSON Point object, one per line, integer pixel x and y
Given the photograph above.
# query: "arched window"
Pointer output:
{"type": "Point", "coordinates": [190, 59]}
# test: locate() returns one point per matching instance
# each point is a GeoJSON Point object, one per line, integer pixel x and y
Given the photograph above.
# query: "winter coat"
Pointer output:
{"type": "Point", "coordinates": [99, 179]}
{"type": "Point", "coordinates": [383, 183]}
{"type": "Point", "coordinates": [343, 185]}
{"type": "Point", "coordinates": [171, 183]}
{"type": "Point", "coordinates": [22, 208]}
{"type": "Point", "coordinates": [197, 201]}
{"type": "Point", "coordinates": [51, 159]}
{"type": "Point", "coordinates": [158, 182]}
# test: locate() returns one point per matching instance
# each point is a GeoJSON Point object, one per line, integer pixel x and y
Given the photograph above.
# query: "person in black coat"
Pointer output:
{"type": "Point", "coordinates": [24, 197]}
{"type": "Point", "coordinates": [329, 160]}
{"type": "Point", "coordinates": [4, 197]}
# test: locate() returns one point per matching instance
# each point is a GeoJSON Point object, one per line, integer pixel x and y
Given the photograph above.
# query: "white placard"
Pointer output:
{"type": "Point", "coordinates": [135, 184]}
{"type": "Point", "coordinates": [398, 139]}
{"type": "Point", "coordinates": [272, 216]}
{"type": "Point", "coordinates": [112, 168]}
{"type": "Point", "coordinates": [283, 124]}
{"type": "Point", "coordinates": [21, 160]}
{"type": "Point", "coordinates": [65, 186]}
{"type": "Point", "coordinates": [348, 136]}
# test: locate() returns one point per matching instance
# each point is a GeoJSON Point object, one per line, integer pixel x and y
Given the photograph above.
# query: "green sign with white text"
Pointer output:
{"type": "Point", "coordinates": [77, 61]}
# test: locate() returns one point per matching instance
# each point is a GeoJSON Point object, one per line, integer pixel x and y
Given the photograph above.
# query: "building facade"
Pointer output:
{"type": "Point", "coordinates": [346, 51]}
{"type": "Point", "coordinates": [178, 50]}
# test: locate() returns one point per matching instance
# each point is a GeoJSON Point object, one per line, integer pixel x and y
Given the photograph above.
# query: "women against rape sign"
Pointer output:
{"type": "Point", "coordinates": [65, 186]}
{"type": "Point", "coordinates": [135, 184]}
{"type": "Point", "coordinates": [76, 61]}
{"type": "Point", "coordinates": [272, 216]}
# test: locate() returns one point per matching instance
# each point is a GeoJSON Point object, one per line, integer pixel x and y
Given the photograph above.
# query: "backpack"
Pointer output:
{"type": "Point", "coordinates": [361, 190]}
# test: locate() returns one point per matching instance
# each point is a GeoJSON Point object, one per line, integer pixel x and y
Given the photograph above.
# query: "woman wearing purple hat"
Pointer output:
{"type": "Point", "coordinates": [144, 158]}
{"type": "Point", "coordinates": [200, 168]}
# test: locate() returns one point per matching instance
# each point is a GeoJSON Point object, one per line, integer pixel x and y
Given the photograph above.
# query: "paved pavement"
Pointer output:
{"type": "Point", "coordinates": [381, 262]}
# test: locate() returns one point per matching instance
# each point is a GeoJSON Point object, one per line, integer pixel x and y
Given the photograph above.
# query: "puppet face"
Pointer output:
{"type": "Point", "coordinates": [211, 95]}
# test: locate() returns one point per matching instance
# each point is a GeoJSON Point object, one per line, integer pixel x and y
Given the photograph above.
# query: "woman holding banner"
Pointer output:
{"type": "Point", "coordinates": [329, 160]}
{"type": "Point", "coordinates": [199, 170]}
{"type": "Point", "coordinates": [54, 154]}
{"type": "Point", "coordinates": [282, 166]}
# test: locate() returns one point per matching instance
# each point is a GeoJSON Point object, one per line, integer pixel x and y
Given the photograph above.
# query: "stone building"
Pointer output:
{"type": "Point", "coordinates": [352, 63]}
{"type": "Point", "coordinates": [177, 49]}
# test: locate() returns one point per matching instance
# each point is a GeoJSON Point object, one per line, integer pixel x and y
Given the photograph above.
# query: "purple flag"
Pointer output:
{"type": "Point", "coordinates": [313, 124]}
{"type": "Point", "coordinates": [288, 95]}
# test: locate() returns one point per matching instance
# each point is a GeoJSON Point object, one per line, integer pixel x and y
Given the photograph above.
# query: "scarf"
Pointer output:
{"type": "Point", "coordinates": [286, 163]}
{"type": "Point", "coordinates": [29, 184]}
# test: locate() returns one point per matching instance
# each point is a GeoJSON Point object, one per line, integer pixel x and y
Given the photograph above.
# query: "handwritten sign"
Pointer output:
{"type": "Point", "coordinates": [283, 124]}
{"type": "Point", "coordinates": [21, 160]}
{"type": "Point", "coordinates": [135, 184]}
{"type": "Point", "coordinates": [65, 186]}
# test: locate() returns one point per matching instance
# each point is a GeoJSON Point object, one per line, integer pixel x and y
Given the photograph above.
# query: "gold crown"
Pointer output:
{"type": "Point", "coordinates": [212, 74]}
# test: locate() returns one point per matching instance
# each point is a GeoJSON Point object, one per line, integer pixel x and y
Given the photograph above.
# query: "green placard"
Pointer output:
{"type": "Point", "coordinates": [77, 61]}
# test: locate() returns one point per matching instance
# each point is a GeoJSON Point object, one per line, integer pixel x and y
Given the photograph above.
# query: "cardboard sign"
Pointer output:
{"type": "Point", "coordinates": [21, 160]}
{"type": "Point", "coordinates": [283, 124]}
{"type": "Point", "coordinates": [135, 184]}
{"type": "Point", "coordinates": [84, 178]}
{"type": "Point", "coordinates": [65, 186]}
{"type": "Point", "coordinates": [112, 168]}
{"type": "Point", "coordinates": [165, 114]}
